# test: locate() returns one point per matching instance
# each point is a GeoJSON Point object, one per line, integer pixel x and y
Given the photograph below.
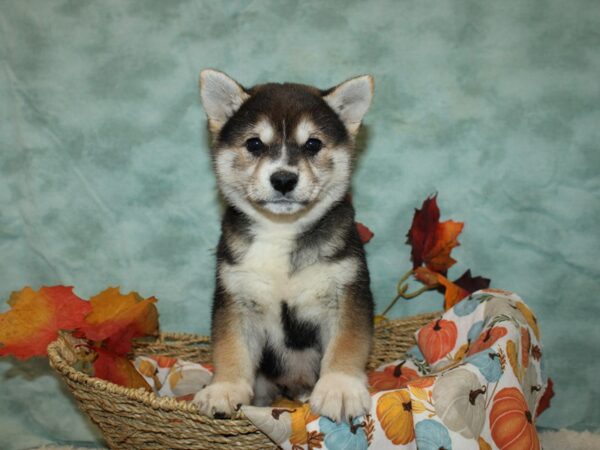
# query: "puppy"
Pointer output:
{"type": "Point", "coordinates": [292, 309]}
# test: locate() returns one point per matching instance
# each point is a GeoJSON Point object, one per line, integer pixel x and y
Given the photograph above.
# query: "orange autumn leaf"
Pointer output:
{"type": "Point", "coordinates": [432, 241]}
{"type": "Point", "coordinates": [454, 291]}
{"type": "Point", "coordinates": [119, 370]}
{"type": "Point", "coordinates": [36, 317]}
{"type": "Point", "coordinates": [117, 318]}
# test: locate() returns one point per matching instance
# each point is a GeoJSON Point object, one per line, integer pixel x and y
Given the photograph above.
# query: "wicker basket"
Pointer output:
{"type": "Point", "coordinates": [136, 419]}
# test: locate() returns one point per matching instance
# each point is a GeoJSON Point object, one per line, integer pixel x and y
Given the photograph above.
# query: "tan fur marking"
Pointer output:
{"type": "Point", "coordinates": [324, 161]}
{"type": "Point", "coordinates": [307, 171]}
{"type": "Point", "coordinates": [230, 356]}
{"type": "Point", "coordinates": [214, 127]}
{"type": "Point", "coordinates": [349, 349]}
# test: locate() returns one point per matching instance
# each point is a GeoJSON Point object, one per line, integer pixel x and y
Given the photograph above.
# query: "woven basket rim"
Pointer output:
{"type": "Point", "coordinates": [55, 355]}
{"type": "Point", "coordinates": [57, 349]}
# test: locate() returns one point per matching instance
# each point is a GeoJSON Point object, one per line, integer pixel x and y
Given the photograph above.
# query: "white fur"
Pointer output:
{"type": "Point", "coordinates": [304, 130]}
{"type": "Point", "coordinates": [265, 131]}
{"type": "Point", "coordinates": [223, 397]}
{"type": "Point", "coordinates": [332, 190]}
{"type": "Point", "coordinates": [221, 96]}
{"type": "Point", "coordinates": [247, 190]}
{"type": "Point", "coordinates": [340, 396]}
{"type": "Point", "coordinates": [264, 278]}
{"type": "Point", "coordinates": [351, 100]}
{"type": "Point", "coordinates": [264, 391]}
{"type": "Point", "coordinates": [265, 273]}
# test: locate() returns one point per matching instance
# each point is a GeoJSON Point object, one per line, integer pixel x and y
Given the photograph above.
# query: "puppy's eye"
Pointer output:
{"type": "Point", "coordinates": [255, 146]}
{"type": "Point", "coordinates": [313, 145]}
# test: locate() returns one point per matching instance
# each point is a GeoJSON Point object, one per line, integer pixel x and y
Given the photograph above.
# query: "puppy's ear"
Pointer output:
{"type": "Point", "coordinates": [221, 96]}
{"type": "Point", "coordinates": [351, 100]}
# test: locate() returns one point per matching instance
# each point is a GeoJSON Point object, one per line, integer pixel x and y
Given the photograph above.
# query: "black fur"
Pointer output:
{"type": "Point", "coordinates": [285, 105]}
{"type": "Point", "coordinates": [234, 224]}
{"type": "Point", "coordinates": [270, 363]}
{"type": "Point", "coordinates": [299, 334]}
{"type": "Point", "coordinates": [337, 222]}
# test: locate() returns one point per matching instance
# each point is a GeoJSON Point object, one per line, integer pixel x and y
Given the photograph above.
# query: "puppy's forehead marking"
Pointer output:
{"type": "Point", "coordinates": [265, 131]}
{"type": "Point", "coordinates": [304, 130]}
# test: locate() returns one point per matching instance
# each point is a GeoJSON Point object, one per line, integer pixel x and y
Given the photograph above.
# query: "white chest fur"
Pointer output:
{"type": "Point", "coordinates": [264, 277]}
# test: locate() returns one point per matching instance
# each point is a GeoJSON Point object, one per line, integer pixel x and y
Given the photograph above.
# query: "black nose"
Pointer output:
{"type": "Point", "coordinates": [284, 181]}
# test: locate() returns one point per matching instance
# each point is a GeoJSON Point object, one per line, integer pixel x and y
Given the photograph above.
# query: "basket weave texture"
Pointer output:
{"type": "Point", "coordinates": [136, 419]}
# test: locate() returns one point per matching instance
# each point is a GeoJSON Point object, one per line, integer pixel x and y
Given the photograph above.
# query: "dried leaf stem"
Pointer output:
{"type": "Point", "coordinates": [401, 289]}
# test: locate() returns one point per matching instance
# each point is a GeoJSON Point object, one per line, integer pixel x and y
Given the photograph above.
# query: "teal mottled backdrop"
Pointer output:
{"type": "Point", "coordinates": [105, 176]}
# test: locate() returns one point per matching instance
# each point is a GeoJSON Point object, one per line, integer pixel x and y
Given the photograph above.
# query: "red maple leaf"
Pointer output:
{"type": "Point", "coordinates": [472, 284]}
{"type": "Point", "coordinates": [432, 240]}
{"type": "Point", "coordinates": [118, 369]}
{"type": "Point", "coordinates": [364, 232]}
{"type": "Point", "coordinates": [544, 403]}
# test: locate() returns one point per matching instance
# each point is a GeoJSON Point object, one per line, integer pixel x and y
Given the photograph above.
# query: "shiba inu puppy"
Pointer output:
{"type": "Point", "coordinates": [292, 310]}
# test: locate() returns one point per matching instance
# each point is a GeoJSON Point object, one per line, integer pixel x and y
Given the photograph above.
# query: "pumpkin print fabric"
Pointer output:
{"type": "Point", "coordinates": [473, 381]}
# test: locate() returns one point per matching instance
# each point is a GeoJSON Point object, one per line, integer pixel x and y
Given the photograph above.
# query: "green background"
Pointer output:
{"type": "Point", "coordinates": [105, 177]}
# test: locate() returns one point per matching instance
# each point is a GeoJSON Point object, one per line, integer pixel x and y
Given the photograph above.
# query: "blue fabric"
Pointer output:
{"type": "Point", "coordinates": [105, 178]}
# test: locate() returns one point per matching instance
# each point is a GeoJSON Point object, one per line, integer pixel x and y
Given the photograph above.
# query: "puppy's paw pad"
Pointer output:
{"type": "Point", "coordinates": [222, 399]}
{"type": "Point", "coordinates": [340, 396]}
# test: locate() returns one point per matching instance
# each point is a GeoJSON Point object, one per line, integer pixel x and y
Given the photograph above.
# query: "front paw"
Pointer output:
{"type": "Point", "coordinates": [221, 399]}
{"type": "Point", "coordinates": [340, 396]}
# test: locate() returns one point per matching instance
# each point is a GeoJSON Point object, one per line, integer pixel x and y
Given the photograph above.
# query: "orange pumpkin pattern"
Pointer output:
{"type": "Point", "coordinates": [422, 382]}
{"type": "Point", "coordinates": [437, 339]}
{"type": "Point", "coordinates": [164, 361]}
{"type": "Point", "coordinates": [392, 377]}
{"type": "Point", "coordinates": [486, 339]}
{"type": "Point", "coordinates": [394, 412]}
{"type": "Point", "coordinates": [511, 422]}
{"type": "Point", "coordinates": [441, 396]}
{"type": "Point", "coordinates": [301, 415]}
